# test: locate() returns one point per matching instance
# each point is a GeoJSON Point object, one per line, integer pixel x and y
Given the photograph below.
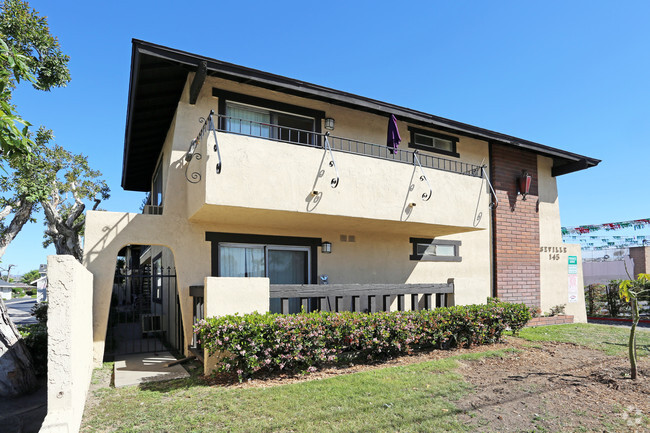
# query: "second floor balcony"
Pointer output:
{"type": "Point", "coordinates": [239, 170]}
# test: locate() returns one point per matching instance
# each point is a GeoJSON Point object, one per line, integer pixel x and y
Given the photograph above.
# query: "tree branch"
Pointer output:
{"type": "Point", "coordinates": [7, 210]}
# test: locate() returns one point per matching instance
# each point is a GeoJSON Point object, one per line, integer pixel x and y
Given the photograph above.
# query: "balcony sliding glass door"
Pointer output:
{"type": "Point", "coordinates": [281, 264]}
{"type": "Point", "coordinates": [260, 122]}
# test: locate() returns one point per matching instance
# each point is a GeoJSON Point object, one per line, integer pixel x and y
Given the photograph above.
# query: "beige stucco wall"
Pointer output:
{"type": "Point", "coordinates": [107, 232]}
{"type": "Point", "coordinates": [225, 296]}
{"type": "Point", "coordinates": [271, 175]}
{"type": "Point", "coordinates": [554, 254]}
{"type": "Point", "coordinates": [70, 342]}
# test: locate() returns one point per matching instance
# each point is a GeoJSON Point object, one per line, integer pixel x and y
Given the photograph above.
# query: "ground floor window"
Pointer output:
{"type": "Point", "coordinates": [434, 250]}
{"type": "Point", "coordinates": [282, 264]}
{"type": "Point", "coordinates": [283, 259]}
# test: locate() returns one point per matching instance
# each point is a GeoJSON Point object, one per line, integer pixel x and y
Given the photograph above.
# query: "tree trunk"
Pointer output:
{"type": "Point", "coordinates": [16, 369]}
{"type": "Point", "coordinates": [63, 232]}
{"type": "Point", "coordinates": [632, 341]}
{"type": "Point", "coordinates": [21, 216]}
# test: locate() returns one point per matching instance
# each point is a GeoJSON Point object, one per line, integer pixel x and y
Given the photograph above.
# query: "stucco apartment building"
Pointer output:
{"type": "Point", "coordinates": [263, 186]}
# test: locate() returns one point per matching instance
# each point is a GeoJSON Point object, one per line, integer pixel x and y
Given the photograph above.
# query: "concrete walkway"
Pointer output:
{"type": "Point", "coordinates": [146, 367]}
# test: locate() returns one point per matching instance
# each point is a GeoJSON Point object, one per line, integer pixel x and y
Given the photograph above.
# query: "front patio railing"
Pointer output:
{"type": "Point", "coordinates": [368, 298]}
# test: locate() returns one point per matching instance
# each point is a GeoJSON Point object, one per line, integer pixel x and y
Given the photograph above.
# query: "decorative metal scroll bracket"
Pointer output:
{"type": "Point", "coordinates": [216, 143]}
{"type": "Point", "coordinates": [416, 161]}
{"type": "Point", "coordinates": [335, 181]}
{"type": "Point", "coordinates": [208, 126]}
{"type": "Point", "coordinates": [494, 203]}
{"type": "Point", "coordinates": [195, 177]}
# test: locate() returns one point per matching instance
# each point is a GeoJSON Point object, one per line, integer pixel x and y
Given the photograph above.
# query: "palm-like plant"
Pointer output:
{"type": "Point", "coordinates": [630, 290]}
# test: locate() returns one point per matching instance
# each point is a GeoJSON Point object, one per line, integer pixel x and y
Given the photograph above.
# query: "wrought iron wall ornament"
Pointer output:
{"type": "Point", "coordinates": [216, 143]}
{"type": "Point", "coordinates": [335, 181]}
{"type": "Point", "coordinates": [416, 161]}
{"type": "Point", "coordinates": [208, 126]}
{"type": "Point", "coordinates": [195, 177]}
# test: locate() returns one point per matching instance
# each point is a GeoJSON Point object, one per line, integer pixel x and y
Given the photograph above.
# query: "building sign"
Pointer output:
{"type": "Point", "coordinates": [553, 252]}
{"type": "Point", "coordinates": [573, 265]}
{"type": "Point", "coordinates": [573, 278]}
{"type": "Point", "coordinates": [573, 288]}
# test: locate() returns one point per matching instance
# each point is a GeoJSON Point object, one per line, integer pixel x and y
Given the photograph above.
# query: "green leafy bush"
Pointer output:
{"type": "Point", "coordinates": [35, 338]}
{"type": "Point", "coordinates": [604, 299]}
{"type": "Point", "coordinates": [272, 342]}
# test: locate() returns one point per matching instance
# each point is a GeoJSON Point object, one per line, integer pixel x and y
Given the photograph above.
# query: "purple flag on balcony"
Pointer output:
{"type": "Point", "coordinates": [393, 139]}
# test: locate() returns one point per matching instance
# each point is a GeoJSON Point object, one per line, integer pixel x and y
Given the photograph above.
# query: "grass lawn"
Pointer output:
{"type": "Point", "coordinates": [413, 398]}
{"type": "Point", "coordinates": [610, 339]}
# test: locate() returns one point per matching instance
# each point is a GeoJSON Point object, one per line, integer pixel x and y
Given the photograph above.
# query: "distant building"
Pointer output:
{"type": "Point", "coordinates": [6, 288]}
{"type": "Point", "coordinates": [602, 272]}
{"type": "Point", "coordinates": [41, 284]}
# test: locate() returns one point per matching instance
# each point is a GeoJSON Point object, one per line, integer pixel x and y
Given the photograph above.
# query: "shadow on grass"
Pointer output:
{"type": "Point", "coordinates": [641, 349]}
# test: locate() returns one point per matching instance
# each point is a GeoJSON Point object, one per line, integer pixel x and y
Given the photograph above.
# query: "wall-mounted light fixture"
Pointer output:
{"type": "Point", "coordinates": [329, 123]}
{"type": "Point", "coordinates": [326, 247]}
{"type": "Point", "coordinates": [523, 183]}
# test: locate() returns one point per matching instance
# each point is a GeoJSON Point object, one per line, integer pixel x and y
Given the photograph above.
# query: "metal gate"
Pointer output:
{"type": "Point", "coordinates": [145, 313]}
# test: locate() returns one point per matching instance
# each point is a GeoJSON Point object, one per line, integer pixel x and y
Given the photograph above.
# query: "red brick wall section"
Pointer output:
{"type": "Point", "coordinates": [552, 320]}
{"type": "Point", "coordinates": [515, 227]}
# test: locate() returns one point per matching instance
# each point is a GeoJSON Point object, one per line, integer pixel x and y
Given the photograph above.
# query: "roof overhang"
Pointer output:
{"type": "Point", "coordinates": [159, 74]}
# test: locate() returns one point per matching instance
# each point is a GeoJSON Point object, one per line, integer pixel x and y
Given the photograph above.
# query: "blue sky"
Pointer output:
{"type": "Point", "coordinates": [572, 75]}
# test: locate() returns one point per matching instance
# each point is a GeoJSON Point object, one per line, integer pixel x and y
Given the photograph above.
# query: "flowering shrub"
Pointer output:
{"type": "Point", "coordinates": [301, 342]}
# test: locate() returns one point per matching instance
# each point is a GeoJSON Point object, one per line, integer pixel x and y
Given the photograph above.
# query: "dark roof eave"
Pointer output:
{"type": "Point", "coordinates": [190, 61]}
{"type": "Point", "coordinates": [133, 76]}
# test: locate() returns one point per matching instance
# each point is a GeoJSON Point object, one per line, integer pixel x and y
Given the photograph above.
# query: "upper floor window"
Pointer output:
{"type": "Point", "coordinates": [261, 122]}
{"type": "Point", "coordinates": [258, 117]}
{"type": "Point", "coordinates": [433, 141]}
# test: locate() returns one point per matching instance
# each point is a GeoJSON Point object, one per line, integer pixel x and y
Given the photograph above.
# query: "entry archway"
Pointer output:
{"type": "Point", "coordinates": [145, 311]}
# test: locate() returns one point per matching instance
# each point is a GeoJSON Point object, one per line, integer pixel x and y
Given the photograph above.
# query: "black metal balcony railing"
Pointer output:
{"type": "Point", "coordinates": [269, 131]}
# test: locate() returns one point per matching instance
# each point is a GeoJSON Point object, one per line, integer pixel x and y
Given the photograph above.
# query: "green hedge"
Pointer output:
{"type": "Point", "coordinates": [274, 342]}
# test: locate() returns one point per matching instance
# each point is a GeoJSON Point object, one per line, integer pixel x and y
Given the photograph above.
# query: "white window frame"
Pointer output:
{"type": "Point", "coordinates": [268, 247]}
{"type": "Point", "coordinates": [435, 136]}
{"type": "Point", "coordinates": [432, 257]}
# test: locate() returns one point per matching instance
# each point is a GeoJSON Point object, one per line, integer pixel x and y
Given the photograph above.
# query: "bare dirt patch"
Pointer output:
{"type": "Point", "coordinates": [555, 387]}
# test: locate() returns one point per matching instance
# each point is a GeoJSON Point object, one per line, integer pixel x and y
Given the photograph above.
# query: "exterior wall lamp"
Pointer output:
{"type": "Point", "coordinates": [329, 123]}
{"type": "Point", "coordinates": [524, 184]}
{"type": "Point", "coordinates": [326, 247]}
